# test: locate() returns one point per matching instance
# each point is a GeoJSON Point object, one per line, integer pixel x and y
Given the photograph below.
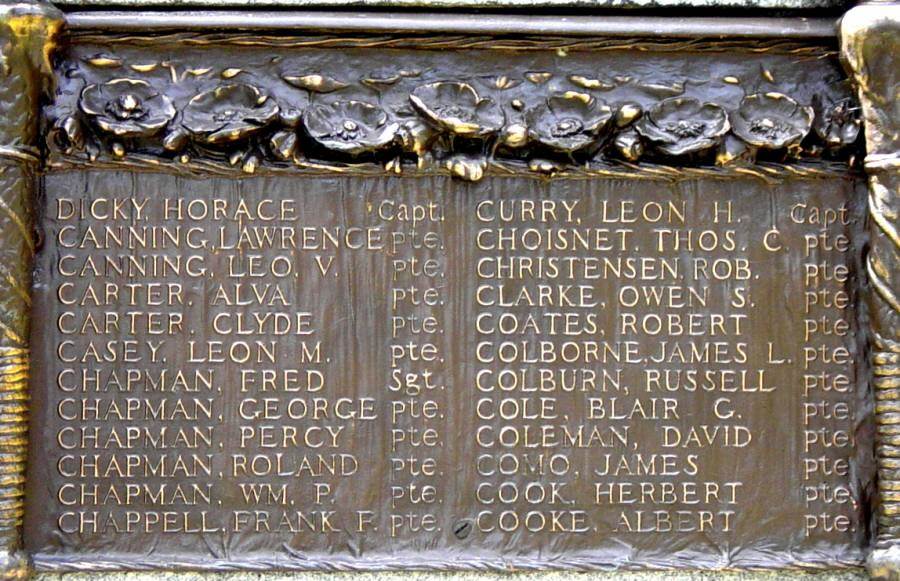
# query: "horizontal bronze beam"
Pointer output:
{"type": "Point", "coordinates": [616, 26]}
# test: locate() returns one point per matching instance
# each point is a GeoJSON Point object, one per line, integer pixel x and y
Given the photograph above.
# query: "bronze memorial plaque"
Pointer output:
{"type": "Point", "coordinates": [387, 299]}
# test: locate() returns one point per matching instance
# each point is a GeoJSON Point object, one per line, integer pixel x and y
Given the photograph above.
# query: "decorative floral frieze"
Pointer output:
{"type": "Point", "coordinates": [463, 126]}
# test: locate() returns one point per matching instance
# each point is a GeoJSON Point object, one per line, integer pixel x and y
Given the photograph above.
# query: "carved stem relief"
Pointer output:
{"type": "Point", "coordinates": [870, 37]}
{"type": "Point", "coordinates": [26, 32]}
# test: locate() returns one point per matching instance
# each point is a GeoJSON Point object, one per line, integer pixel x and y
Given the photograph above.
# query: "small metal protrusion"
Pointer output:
{"type": "Point", "coordinates": [462, 529]}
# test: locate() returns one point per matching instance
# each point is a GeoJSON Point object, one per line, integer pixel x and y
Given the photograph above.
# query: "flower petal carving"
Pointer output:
{"type": "Point", "coordinates": [771, 121]}
{"type": "Point", "coordinates": [351, 127]}
{"type": "Point", "coordinates": [315, 83]}
{"type": "Point", "coordinates": [683, 125]}
{"type": "Point", "coordinates": [458, 109]}
{"type": "Point", "coordinates": [837, 122]}
{"type": "Point", "coordinates": [228, 113]}
{"type": "Point", "coordinates": [568, 123]}
{"type": "Point", "coordinates": [127, 108]}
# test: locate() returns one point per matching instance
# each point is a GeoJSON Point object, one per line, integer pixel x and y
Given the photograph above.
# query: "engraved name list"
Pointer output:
{"type": "Point", "coordinates": [377, 372]}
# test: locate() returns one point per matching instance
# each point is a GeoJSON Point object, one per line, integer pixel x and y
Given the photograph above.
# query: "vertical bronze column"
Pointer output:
{"type": "Point", "coordinates": [870, 43]}
{"type": "Point", "coordinates": [27, 30]}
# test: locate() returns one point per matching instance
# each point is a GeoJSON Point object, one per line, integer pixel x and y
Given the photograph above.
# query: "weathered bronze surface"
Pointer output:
{"type": "Point", "coordinates": [869, 35]}
{"type": "Point", "coordinates": [396, 299]}
{"type": "Point", "coordinates": [26, 37]}
{"type": "Point", "coordinates": [450, 397]}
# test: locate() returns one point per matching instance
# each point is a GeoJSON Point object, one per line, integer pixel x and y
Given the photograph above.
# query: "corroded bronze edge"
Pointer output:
{"type": "Point", "coordinates": [870, 42]}
{"type": "Point", "coordinates": [27, 31]}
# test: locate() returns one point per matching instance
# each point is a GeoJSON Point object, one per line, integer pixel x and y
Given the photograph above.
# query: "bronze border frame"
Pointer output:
{"type": "Point", "coordinates": [870, 41]}
{"type": "Point", "coordinates": [492, 24]}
